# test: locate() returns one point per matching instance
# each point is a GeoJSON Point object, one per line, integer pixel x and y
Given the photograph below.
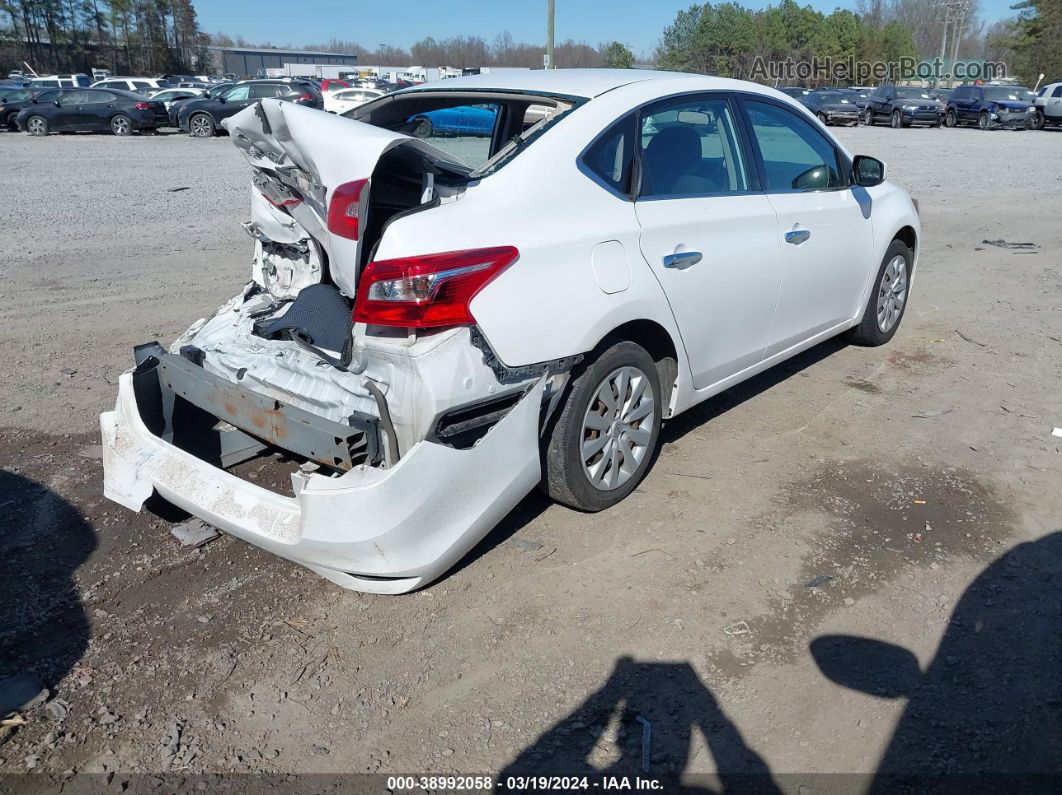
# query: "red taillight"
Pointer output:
{"type": "Point", "coordinates": [142, 106]}
{"type": "Point", "coordinates": [428, 291]}
{"type": "Point", "coordinates": [305, 98]}
{"type": "Point", "coordinates": [344, 209]}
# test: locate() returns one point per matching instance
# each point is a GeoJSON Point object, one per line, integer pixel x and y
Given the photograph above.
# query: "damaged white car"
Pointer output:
{"type": "Point", "coordinates": [437, 324]}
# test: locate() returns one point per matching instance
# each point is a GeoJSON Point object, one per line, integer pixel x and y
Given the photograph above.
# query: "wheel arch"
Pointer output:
{"type": "Point", "coordinates": [659, 344]}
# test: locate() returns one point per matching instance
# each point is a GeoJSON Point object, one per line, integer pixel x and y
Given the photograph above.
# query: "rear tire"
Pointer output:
{"type": "Point", "coordinates": [895, 266]}
{"type": "Point", "coordinates": [423, 129]}
{"type": "Point", "coordinates": [121, 125]}
{"type": "Point", "coordinates": [10, 120]}
{"type": "Point", "coordinates": [37, 125]}
{"type": "Point", "coordinates": [612, 427]}
{"type": "Point", "coordinates": [201, 125]}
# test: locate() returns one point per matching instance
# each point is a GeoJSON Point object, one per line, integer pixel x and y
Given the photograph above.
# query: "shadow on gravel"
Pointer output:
{"type": "Point", "coordinates": [987, 712]}
{"type": "Point", "coordinates": [43, 538]}
{"type": "Point", "coordinates": [747, 390]}
{"type": "Point", "coordinates": [607, 736]}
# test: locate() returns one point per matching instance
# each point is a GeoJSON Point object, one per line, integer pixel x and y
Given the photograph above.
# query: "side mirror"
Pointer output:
{"type": "Point", "coordinates": [868, 171]}
{"type": "Point", "coordinates": [869, 666]}
{"type": "Point", "coordinates": [222, 99]}
{"type": "Point", "coordinates": [56, 103]}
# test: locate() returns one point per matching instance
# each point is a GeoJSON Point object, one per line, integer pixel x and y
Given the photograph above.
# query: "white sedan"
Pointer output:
{"type": "Point", "coordinates": [349, 98]}
{"type": "Point", "coordinates": [435, 326]}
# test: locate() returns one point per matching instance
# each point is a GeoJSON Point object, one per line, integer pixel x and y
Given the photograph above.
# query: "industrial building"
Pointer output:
{"type": "Point", "coordinates": [250, 61]}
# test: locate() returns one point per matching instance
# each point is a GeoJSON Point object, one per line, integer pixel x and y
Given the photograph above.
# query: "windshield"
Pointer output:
{"type": "Point", "coordinates": [831, 98]}
{"type": "Point", "coordinates": [911, 92]}
{"type": "Point", "coordinates": [17, 95]}
{"type": "Point", "coordinates": [1007, 94]}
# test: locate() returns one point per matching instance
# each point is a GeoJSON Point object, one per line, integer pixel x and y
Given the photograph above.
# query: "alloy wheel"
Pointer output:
{"type": "Point", "coordinates": [120, 125]}
{"type": "Point", "coordinates": [892, 292]}
{"type": "Point", "coordinates": [617, 428]}
{"type": "Point", "coordinates": [201, 127]}
{"type": "Point", "coordinates": [36, 126]}
{"type": "Point", "coordinates": [897, 120]}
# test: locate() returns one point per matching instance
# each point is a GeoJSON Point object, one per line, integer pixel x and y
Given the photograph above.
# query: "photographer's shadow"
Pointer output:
{"type": "Point", "coordinates": [642, 722]}
{"type": "Point", "coordinates": [987, 712]}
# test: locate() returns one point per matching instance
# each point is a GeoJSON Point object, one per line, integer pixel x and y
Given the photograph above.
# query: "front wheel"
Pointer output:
{"type": "Point", "coordinates": [121, 125]}
{"type": "Point", "coordinates": [37, 125]}
{"type": "Point", "coordinates": [889, 300]}
{"type": "Point", "coordinates": [823, 119]}
{"type": "Point", "coordinates": [868, 118]}
{"type": "Point", "coordinates": [423, 128]}
{"type": "Point", "coordinates": [1037, 122]}
{"type": "Point", "coordinates": [984, 122]}
{"type": "Point", "coordinates": [896, 120]}
{"type": "Point", "coordinates": [602, 442]}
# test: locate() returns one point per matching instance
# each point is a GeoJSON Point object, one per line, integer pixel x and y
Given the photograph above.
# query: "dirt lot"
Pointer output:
{"type": "Point", "coordinates": [908, 494]}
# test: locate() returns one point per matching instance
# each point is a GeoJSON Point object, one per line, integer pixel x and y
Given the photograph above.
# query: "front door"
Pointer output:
{"type": "Point", "coordinates": [823, 228]}
{"type": "Point", "coordinates": [707, 232]}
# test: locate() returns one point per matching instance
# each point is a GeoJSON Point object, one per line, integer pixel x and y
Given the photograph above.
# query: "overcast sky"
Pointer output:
{"type": "Point", "coordinates": [638, 23]}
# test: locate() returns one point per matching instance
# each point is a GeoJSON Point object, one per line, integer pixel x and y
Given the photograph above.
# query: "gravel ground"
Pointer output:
{"type": "Point", "coordinates": [741, 600]}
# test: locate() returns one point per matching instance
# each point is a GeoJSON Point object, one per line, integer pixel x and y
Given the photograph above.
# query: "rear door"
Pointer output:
{"type": "Point", "coordinates": [708, 232]}
{"type": "Point", "coordinates": [1053, 103]}
{"type": "Point", "coordinates": [95, 109]}
{"type": "Point", "coordinates": [821, 229]}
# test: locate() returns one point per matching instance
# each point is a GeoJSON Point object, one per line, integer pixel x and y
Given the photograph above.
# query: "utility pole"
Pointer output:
{"type": "Point", "coordinates": [550, 12]}
{"type": "Point", "coordinates": [944, 38]}
{"type": "Point", "coordinates": [963, 10]}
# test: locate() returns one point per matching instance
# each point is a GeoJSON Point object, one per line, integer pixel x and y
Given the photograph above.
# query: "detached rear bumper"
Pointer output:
{"type": "Point", "coordinates": [371, 529]}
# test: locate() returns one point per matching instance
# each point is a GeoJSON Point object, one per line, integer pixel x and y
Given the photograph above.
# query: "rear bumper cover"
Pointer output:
{"type": "Point", "coordinates": [375, 530]}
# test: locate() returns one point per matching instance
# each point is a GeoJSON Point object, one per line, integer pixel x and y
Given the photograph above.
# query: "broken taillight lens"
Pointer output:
{"type": "Point", "coordinates": [428, 291]}
{"type": "Point", "coordinates": [344, 209]}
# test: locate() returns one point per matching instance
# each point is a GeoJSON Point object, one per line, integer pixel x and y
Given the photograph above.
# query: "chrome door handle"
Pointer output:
{"type": "Point", "coordinates": [797, 236]}
{"type": "Point", "coordinates": [682, 259]}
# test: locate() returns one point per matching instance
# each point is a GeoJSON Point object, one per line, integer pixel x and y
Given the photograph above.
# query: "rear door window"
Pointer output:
{"type": "Point", "coordinates": [691, 149]}
{"type": "Point", "coordinates": [265, 90]}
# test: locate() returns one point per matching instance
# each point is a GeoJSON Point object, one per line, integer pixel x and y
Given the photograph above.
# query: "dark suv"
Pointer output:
{"type": "Point", "coordinates": [902, 106]}
{"type": "Point", "coordinates": [991, 107]}
{"type": "Point", "coordinates": [201, 117]}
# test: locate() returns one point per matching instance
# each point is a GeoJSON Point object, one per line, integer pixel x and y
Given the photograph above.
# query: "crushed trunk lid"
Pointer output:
{"type": "Point", "coordinates": [313, 152]}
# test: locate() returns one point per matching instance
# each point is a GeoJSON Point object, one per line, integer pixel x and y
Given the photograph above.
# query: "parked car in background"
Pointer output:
{"type": "Point", "coordinates": [13, 101]}
{"type": "Point", "coordinates": [331, 84]}
{"type": "Point", "coordinates": [77, 80]}
{"type": "Point", "coordinates": [902, 106]}
{"type": "Point", "coordinates": [831, 107]}
{"type": "Point", "coordinates": [201, 117]}
{"type": "Point", "coordinates": [991, 107]}
{"type": "Point", "coordinates": [1048, 106]}
{"type": "Point", "coordinates": [796, 92]}
{"type": "Point", "coordinates": [348, 98]}
{"type": "Point", "coordinates": [217, 89]}
{"type": "Point", "coordinates": [141, 85]}
{"type": "Point", "coordinates": [858, 97]}
{"type": "Point", "coordinates": [427, 342]}
{"type": "Point", "coordinates": [91, 110]}
{"type": "Point", "coordinates": [173, 97]}
{"type": "Point", "coordinates": [462, 120]}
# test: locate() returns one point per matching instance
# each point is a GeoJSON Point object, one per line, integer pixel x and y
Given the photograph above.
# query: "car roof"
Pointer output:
{"type": "Point", "coordinates": [571, 82]}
